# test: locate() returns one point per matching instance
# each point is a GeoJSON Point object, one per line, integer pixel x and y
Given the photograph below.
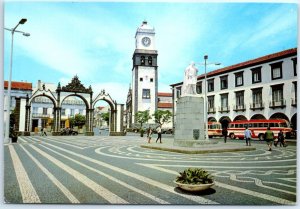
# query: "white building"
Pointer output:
{"type": "Point", "coordinates": [262, 88]}
{"type": "Point", "coordinates": [19, 92]}
{"type": "Point", "coordinates": [144, 72]}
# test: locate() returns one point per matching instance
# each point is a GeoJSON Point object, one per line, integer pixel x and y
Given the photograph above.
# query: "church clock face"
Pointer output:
{"type": "Point", "coordinates": [146, 41]}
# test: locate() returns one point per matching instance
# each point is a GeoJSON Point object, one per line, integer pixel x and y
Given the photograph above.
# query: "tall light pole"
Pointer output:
{"type": "Point", "coordinates": [13, 30]}
{"type": "Point", "coordinates": [205, 93]}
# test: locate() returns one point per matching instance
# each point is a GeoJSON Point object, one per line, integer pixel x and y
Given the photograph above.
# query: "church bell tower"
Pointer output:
{"type": "Point", "coordinates": [144, 71]}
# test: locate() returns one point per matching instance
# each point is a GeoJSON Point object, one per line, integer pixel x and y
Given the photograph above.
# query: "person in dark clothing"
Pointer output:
{"type": "Point", "coordinates": [281, 140]}
{"type": "Point", "coordinates": [225, 133]}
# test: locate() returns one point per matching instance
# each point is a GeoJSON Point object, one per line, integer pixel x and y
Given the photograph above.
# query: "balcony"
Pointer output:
{"type": "Point", "coordinates": [257, 106]}
{"type": "Point", "coordinates": [40, 115]}
{"type": "Point", "coordinates": [277, 104]}
{"type": "Point", "coordinates": [224, 109]}
{"type": "Point", "coordinates": [241, 108]}
{"type": "Point", "coordinates": [211, 110]}
{"type": "Point", "coordinates": [294, 102]}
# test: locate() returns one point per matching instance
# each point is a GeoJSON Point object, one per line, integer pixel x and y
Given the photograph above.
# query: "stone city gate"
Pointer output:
{"type": "Point", "coordinates": [75, 88]}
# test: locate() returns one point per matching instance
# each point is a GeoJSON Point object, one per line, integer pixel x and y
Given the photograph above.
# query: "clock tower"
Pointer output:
{"type": "Point", "coordinates": [144, 71]}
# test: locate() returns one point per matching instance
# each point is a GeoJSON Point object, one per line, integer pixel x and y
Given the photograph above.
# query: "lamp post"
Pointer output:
{"type": "Point", "coordinates": [13, 30]}
{"type": "Point", "coordinates": [205, 92]}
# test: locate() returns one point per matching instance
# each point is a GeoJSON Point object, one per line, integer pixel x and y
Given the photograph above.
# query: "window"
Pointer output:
{"type": "Point", "coordinates": [211, 102]}
{"type": "Point", "coordinates": [141, 79]}
{"type": "Point", "coordinates": [224, 82]}
{"type": "Point", "coordinates": [210, 85]}
{"type": "Point", "coordinates": [239, 98]}
{"type": "Point", "coordinates": [35, 110]}
{"type": "Point", "coordinates": [142, 60]}
{"type": "Point", "coordinates": [178, 92]}
{"type": "Point", "coordinates": [72, 112]}
{"type": "Point", "coordinates": [63, 111]}
{"type": "Point", "coordinates": [295, 65]}
{"type": "Point", "coordinates": [239, 80]}
{"type": "Point", "coordinates": [150, 60]}
{"type": "Point", "coordinates": [45, 111]}
{"type": "Point", "coordinates": [224, 100]}
{"type": "Point", "coordinates": [276, 70]}
{"type": "Point", "coordinates": [199, 88]}
{"type": "Point", "coordinates": [256, 75]}
{"type": "Point", "coordinates": [146, 93]}
{"type": "Point", "coordinates": [257, 97]}
{"type": "Point", "coordinates": [151, 79]}
{"type": "Point", "coordinates": [277, 95]}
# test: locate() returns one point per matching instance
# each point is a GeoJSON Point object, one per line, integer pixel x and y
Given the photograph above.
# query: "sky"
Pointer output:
{"type": "Point", "coordinates": [95, 40]}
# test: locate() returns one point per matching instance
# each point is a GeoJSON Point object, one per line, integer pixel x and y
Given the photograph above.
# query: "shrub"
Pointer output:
{"type": "Point", "coordinates": [194, 176]}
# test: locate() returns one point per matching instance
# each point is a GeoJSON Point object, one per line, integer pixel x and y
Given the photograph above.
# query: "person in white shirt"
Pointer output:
{"type": "Point", "coordinates": [158, 134]}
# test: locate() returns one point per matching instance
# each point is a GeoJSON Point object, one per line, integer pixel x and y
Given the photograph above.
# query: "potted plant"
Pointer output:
{"type": "Point", "coordinates": [194, 179]}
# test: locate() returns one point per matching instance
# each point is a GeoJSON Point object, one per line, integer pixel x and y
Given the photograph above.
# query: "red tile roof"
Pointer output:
{"type": "Point", "coordinates": [249, 63]}
{"type": "Point", "coordinates": [164, 94]}
{"type": "Point", "coordinates": [164, 105]}
{"type": "Point", "coordinates": [18, 85]}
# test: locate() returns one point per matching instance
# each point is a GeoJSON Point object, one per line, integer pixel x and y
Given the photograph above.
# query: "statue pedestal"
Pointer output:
{"type": "Point", "coordinates": [189, 126]}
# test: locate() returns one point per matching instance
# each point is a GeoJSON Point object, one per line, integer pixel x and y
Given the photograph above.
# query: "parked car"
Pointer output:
{"type": "Point", "coordinates": [68, 131]}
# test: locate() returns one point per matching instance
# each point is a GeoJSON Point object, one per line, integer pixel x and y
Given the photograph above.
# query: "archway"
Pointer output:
{"type": "Point", "coordinates": [294, 121]}
{"type": "Point", "coordinates": [75, 88]}
{"type": "Point", "coordinates": [240, 117]}
{"type": "Point", "coordinates": [73, 113]}
{"type": "Point", "coordinates": [258, 117]}
{"type": "Point", "coordinates": [211, 119]}
{"type": "Point", "coordinates": [225, 120]}
{"type": "Point", "coordinates": [116, 113]}
{"type": "Point", "coordinates": [40, 92]}
{"type": "Point", "coordinates": [279, 115]}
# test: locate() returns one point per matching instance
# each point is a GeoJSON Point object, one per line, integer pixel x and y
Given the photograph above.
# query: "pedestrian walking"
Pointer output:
{"type": "Point", "coordinates": [281, 139]}
{"type": "Point", "coordinates": [269, 137]}
{"type": "Point", "coordinates": [158, 134]}
{"type": "Point", "coordinates": [149, 134]}
{"type": "Point", "coordinates": [247, 135]}
{"type": "Point", "coordinates": [43, 132]}
{"type": "Point", "coordinates": [225, 133]}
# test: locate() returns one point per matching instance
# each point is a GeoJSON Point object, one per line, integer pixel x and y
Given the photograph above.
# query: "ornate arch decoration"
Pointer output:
{"type": "Point", "coordinates": [240, 117]}
{"type": "Point", "coordinates": [75, 86]}
{"type": "Point", "coordinates": [45, 93]}
{"type": "Point", "coordinates": [106, 97]}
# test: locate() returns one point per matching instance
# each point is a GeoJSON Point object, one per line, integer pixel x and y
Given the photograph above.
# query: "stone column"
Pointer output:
{"type": "Point", "coordinates": [89, 122]}
{"type": "Point", "coordinates": [27, 118]}
{"type": "Point", "coordinates": [189, 126]}
{"type": "Point", "coordinates": [56, 121]}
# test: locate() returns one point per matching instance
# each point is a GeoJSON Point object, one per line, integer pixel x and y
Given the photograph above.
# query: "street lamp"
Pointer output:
{"type": "Point", "coordinates": [13, 30]}
{"type": "Point", "coordinates": [205, 92]}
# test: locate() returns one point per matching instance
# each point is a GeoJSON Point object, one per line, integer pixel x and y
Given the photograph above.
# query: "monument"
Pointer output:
{"type": "Point", "coordinates": [189, 123]}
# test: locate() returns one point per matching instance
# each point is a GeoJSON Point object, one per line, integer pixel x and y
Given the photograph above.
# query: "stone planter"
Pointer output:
{"type": "Point", "coordinates": [194, 187]}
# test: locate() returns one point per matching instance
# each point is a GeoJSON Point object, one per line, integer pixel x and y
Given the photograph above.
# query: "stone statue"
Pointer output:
{"type": "Point", "coordinates": [190, 80]}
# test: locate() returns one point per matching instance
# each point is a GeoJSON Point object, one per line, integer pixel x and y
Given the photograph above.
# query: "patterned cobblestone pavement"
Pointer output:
{"type": "Point", "coordinates": [116, 170]}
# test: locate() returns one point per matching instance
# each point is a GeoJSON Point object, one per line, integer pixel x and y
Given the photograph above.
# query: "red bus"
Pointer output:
{"type": "Point", "coordinates": [258, 128]}
{"type": "Point", "coordinates": [214, 129]}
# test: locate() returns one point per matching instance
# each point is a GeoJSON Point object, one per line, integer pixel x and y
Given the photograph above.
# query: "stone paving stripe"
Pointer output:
{"type": "Point", "coordinates": [54, 180]}
{"type": "Point", "coordinates": [233, 188]}
{"type": "Point", "coordinates": [28, 192]}
{"type": "Point", "coordinates": [156, 199]}
{"type": "Point", "coordinates": [59, 142]}
{"type": "Point", "coordinates": [197, 199]}
{"type": "Point", "coordinates": [101, 191]}
{"type": "Point", "coordinates": [98, 150]}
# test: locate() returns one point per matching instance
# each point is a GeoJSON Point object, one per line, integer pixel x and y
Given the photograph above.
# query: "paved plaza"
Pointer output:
{"type": "Point", "coordinates": [117, 170]}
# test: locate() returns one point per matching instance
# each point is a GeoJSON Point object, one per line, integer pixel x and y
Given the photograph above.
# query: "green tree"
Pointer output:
{"type": "Point", "coordinates": [77, 120]}
{"type": "Point", "coordinates": [105, 117]}
{"type": "Point", "coordinates": [142, 117]}
{"type": "Point", "coordinates": [162, 116]}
